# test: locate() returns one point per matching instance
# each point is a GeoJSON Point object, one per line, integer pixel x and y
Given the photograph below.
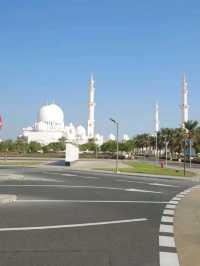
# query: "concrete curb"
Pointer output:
{"type": "Point", "coordinates": [5, 198]}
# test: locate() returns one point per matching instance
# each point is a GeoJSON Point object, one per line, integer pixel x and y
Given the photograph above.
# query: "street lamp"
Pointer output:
{"type": "Point", "coordinates": [117, 129]}
{"type": "Point", "coordinates": [166, 146]}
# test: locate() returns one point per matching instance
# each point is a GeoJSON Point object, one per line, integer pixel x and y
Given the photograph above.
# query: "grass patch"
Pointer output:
{"type": "Point", "coordinates": [148, 168]}
{"type": "Point", "coordinates": [20, 163]}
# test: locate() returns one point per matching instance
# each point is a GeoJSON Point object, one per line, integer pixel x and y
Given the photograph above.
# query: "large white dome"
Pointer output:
{"type": "Point", "coordinates": [51, 113]}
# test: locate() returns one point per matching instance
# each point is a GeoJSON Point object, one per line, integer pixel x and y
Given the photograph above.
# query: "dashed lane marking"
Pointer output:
{"type": "Point", "coordinates": [164, 228]}
{"type": "Point", "coordinates": [167, 219]}
{"type": "Point", "coordinates": [168, 212]}
{"type": "Point", "coordinates": [168, 259]}
{"type": "Point", "coordinates": [166, 241]}
{"type": "Point", "coordinates": [71, 225]}
{"type": "Point", "coordinates": [173, 202]}
{"type": "Point", "coordinates": [170, 206]}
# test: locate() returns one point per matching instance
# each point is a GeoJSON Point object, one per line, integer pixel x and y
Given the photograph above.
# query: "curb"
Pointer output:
{"type": "Point", "coordinates": [5, 198]}
{"type": "Point", "coordinates": [167, 245]}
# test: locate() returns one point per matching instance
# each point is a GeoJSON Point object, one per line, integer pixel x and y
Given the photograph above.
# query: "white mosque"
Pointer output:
{"type": "Point", "coordinates": [50, 125]}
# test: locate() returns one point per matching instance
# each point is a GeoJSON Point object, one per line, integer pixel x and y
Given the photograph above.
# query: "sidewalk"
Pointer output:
{"type": "Point", "coordinates": [187, 229]}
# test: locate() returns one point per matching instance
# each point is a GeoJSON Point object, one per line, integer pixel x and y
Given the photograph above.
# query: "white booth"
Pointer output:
{"type": "Point", "coordinates": [71, 153]}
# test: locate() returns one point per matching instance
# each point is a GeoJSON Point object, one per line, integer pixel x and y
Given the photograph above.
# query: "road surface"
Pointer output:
{"type": "Point", "coordinates": [74, 218]}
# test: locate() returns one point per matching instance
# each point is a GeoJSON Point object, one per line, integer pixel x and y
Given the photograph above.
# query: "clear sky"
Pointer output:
{"type": "Point", "coordinates": [138, 51]}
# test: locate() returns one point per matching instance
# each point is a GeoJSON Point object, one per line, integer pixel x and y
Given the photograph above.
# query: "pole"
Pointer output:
{"type": "Point", "coordinates": [190, 153]}
{"type": "Point", "coordinates": [117, 159]}
{"type": "Point", "coordinates": [184, 164]}
{"type": "Point", "coordinates": [156, 146]}
{"type": "Point", "coordinates": [166, 144]}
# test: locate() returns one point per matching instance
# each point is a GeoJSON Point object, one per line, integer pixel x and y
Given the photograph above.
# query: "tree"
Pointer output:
{"type": "Point", "coordinates": [109, 146]}
{"type": "Point", "coordinates": [34, 147]}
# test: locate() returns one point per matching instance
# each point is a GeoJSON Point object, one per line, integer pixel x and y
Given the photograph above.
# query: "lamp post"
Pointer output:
{"type": "Point", "coordinates": [117, 131]}
{"type": "Point", "coordinates": [166, 146]}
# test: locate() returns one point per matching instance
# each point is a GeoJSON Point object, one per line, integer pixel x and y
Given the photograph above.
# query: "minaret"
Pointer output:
{"type": "Point", "coordinates": [184, 102]}
{"type": "Point", "coordinates": [157, 121]}
{"type": "Point", "coordinates": [91, 108]}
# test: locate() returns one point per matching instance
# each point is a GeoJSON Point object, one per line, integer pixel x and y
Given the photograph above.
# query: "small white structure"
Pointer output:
{"type": "Point", "coordinates": [99, 139]}
{"type": "Point", "coordinates": [184, 102]}
{"type": "Point", "coordinates": [126, 137]}
{"type": "Point", "coordinates": [111, 137]}
{"type": "Point", "coordinates": [71, 153]}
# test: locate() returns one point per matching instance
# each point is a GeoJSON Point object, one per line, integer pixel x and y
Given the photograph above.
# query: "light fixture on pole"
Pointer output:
{"type": "Point", "coordinates": [117, 157]}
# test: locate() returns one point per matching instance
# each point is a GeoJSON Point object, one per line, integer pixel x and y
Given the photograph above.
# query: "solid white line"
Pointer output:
{"type": "Point", "coordinates": [141, 182]}
{"type": "Point", "coordinates": [162, 185]}
{"type": "Point", "coordinates": [71, 225]}
{"type": "Point", "coordinates": [167, 219]}
{"type": "Point", "coordinates": [169, 206]}
{"type": "Point", "coordinates": [92, 201]}
{"type": "Point", "coordinates": [168, 212]}
{"type": "Point", "coordinates": [173, 202]}
{"type": "Point", "coordinates": [164, 228]}
{"type": "Point", "coordinates": [166, 241]}
{"type": "Point", "coordinates": [86, 187]}
{"type": "Point", "coordinates": [67, 174]}
{"type": "Point", "coordinates": [168, 259]}
{"type": "Point", "coordinates": [141, 190]}
{"type": "Point", "coordinates": [83, 177]}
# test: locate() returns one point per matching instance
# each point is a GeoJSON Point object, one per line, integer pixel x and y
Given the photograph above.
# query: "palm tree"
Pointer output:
{"type": "Point", "coordinates": [191, 126]}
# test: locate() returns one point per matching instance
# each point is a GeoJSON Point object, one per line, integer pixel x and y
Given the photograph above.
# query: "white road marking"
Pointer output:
{"type": "Point", "coordinates": [167, 219]}
{"type": "Point", "coordinates": [184, 193]}
{"type": "Point", "coordinates": [83, 177]}
{"type": "Point", "coordinates": [146, 183]}
{"type": "Point", "coordinates": [67, 174]}
{"type": "Point", "coordinates": [164, 228]}
{"type": "Point", "coordinates": [168, 212]}
{"type": "Point", "coordinates": [166, 241]}
{"type": "Point", "coordinates": [169, 206]}
{"type": "Point", "coordinates": [71, 225]}
{"type": "Point", "coordinates": [176, 198]}
{"type": "Point", "coordinates": [180, 196]}
{"type": "Point", "coordinates": [86, 187]}
{"type": "Point", "coordinates": [168, 259]}
{"type": "Point", "coordinates": [162, 185]}
{"type": "Point", "coordinates": [141, 190]}
{"type": "Point", "coordinates": [173, 202]}
{"type": "Point", "coordinates": [91, 201]}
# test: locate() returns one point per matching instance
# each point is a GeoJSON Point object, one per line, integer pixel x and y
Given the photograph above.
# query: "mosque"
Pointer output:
{"type": "Point", "coordinates": [50, 125]}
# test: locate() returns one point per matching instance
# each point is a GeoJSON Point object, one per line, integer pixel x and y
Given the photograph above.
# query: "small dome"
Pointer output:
{"type": "Point", "coordinates": [51, 113]}
{"type": "Point", "coordinates": [80, 131]}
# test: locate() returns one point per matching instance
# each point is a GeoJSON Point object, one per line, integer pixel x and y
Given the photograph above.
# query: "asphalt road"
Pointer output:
{"type": "Point", "coordinates": [74, 218]}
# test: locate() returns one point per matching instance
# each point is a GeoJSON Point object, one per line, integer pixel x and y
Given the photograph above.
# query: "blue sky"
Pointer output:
{"type": "Point", "coordinates": [138, 51]}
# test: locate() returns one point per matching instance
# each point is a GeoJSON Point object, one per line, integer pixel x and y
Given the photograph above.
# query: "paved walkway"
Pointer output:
{"type": "Point", "coordinates": [187, 229]}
